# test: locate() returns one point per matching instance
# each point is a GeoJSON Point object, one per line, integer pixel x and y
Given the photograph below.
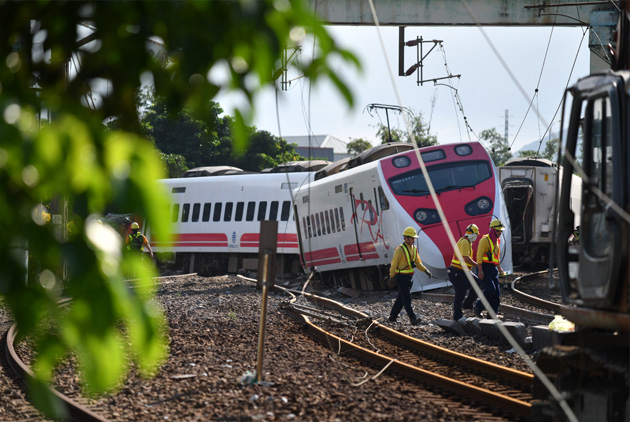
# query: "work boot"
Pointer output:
{"type": "Point", "coordinates": [416, 321]}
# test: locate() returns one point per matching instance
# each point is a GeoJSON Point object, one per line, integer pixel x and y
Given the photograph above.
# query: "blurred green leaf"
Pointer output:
{"type": "Point", "coordinates": [58, 157]}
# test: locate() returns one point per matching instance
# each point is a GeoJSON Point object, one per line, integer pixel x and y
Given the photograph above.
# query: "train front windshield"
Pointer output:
{"type": "Point", "coordinates": [445, 177]}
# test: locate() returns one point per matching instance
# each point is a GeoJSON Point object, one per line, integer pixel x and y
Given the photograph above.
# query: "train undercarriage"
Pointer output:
{"type": "Point", "coordinates": [365, 278]}
{"type": "Point", "coordinates": [206, 264]}
{"type": "Point", "coordinates": [591, 371]}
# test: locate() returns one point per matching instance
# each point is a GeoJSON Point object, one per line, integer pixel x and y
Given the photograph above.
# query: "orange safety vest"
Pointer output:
{"type": "Point", "coordinates": [455, 262]}
{"type": "Point", "coordinates": [491, 257]}
{"type": "Point", "coordinates": [409, 269]}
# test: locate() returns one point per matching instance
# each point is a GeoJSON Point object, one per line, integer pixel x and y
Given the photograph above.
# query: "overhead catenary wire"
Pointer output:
{"type": "Point", "coordinates": [440, 210]}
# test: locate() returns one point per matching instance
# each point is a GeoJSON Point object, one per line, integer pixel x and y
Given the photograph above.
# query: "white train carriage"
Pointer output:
{"type": "Point", "coordinates": [529, 187]}
{"type": "Point", "coordinates": [350, 222]}
{"type": "Point", "coordinates": [217, 221]}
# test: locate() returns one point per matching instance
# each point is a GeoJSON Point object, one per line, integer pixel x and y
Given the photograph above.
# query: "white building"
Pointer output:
{"type": "Point", "coordinates": [325, 147]}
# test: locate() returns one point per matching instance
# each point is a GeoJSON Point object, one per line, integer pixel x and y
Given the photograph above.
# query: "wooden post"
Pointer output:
{"type": "Point", "coordinates": [266, 275]}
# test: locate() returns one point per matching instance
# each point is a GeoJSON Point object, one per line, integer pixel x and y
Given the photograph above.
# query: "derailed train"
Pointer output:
{"type": "Point", "coordinates": [385, 194]}
{"type": "Point", "coordinates": [217, 212]}
{"type": "Point", "coordinates": [350, 214]}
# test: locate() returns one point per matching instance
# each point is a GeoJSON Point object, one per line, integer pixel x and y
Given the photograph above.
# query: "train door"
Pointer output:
{"type": "Point", "coordinates": [355, 220]}
{"type": "Point", "coordinates": [520, 202]}
{"type": "Point", "coordinates": [590, 271]}
{"type": "Point", "coordinates": [300, 236]}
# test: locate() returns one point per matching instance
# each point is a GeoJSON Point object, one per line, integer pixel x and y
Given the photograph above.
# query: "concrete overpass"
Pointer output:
{"type": "Point", "coordinates": [600, 16]}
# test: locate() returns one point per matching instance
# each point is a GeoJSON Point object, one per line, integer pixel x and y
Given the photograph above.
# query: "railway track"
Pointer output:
{"type": "Point", "coordinates": [533, 300]}
{"type": "Point", "coordinates": [76, 408]}
{"type": "Point", "coordinates": [472, 380]}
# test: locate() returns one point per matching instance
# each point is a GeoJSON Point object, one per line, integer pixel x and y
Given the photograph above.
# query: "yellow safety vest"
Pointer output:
{"type": "Point", "coordinates": [409, 269]}
{"type": "Point", "coordinates": [491, 257]}
{"type": "Point", "coordinates": [455, 262]}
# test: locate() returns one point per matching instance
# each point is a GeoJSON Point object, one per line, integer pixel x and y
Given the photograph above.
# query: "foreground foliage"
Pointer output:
{"type": "Point", "coordinates": [55, 56]}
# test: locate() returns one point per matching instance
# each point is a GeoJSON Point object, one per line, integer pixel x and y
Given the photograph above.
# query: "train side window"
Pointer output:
{"type": "Point", "coordinates": [262, 210]}
{"type": "Point", "coordinates": [273, 210]}
{"type": "Point", "coordinates": [217, 211]}
{"type": "Point", "coordinates": [598, 238]}
{"type": "Point", "coordinates": [195, 214]}
{"type": "Point", "coordinates": [327, 221]}
{"type": "Point", "coordinates": [343, 221]}
{"type": "Point", "coordinates": [185, 213]}
{"type": "Point", "coordinates": [206, 211]}
{"type": "Point", "coordinates": [309, 218]}
{"type": "Point", "coordinates": [337, 219]}
{"type": "Point", "coordinates": [331, 215]}
{"type": "Point", "coordinates": [175, 214]}
{"type": "Point", "coordinates": [304, 230]}
{"type": "Point", "coordinates": [239, 211]}
{"type": "Point", "coordinates": [251, 209]}
{"type": "Point", "coordinates": [382, 199]}
{"type": "Point", "coordinates": [371, 209]}
{"type": "Point", "coordinates": [227, 215]}
{"type": "Point", "coordinates": [321, 216]}
{"type": "Point", "coordinates": [362, 201]}
{"type": "Point", "coordinates": [319, 227]}
{"type": "Point", "coordinates": [286, 211]}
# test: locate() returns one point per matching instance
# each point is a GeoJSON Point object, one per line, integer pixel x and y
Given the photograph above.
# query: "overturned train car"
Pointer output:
{"type": "Point", "coordinates": [351, 218]}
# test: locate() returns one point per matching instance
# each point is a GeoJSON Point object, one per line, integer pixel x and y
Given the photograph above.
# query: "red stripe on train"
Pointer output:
{"type": "Point", "coordinates": [322, 257]}
{"type": "Point", "coordinates": [368, 251]}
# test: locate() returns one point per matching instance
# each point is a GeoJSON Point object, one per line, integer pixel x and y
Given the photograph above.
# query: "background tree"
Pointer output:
{"type": "Point", "coordinates": [496, 145]}
{"type": "Point", "coordinates": [357, 146]}
{"type": "Point", "coordinates": [209, 142]}
{"type": "Point", "coordinates": [390, 134]}
{"type": "Point", "coordinates": [175, 164]}
{"type": "Point", "coordinates": [76, 160]}
{"type": "Point", "coordinates": [550, 152]}
{"type": "Point", "coordinates": [419, 130]}
{"type": "Point", "coordinates": [528, 153]}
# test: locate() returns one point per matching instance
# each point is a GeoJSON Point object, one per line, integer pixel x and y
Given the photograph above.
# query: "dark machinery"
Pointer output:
{"type": "Point", "coordinates": [590, 367]}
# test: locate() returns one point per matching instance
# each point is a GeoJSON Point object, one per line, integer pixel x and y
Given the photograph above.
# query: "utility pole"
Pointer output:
{"type": "Point", "coordinates": [506, 125]}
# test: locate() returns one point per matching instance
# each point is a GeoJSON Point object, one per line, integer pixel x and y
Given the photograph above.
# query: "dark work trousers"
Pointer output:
{"type": "Point", "coordinates": [490, 286]}
{"type": "Point", "coordinates": [404, 283]}
{"type": "Point", "coordinates": [462, 285]}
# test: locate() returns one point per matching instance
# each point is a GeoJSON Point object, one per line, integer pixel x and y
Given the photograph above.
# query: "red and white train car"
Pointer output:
{"type": "Point", "coordinates": [350, 222]}
{"type": "Point", "coordinates": [216, 220]}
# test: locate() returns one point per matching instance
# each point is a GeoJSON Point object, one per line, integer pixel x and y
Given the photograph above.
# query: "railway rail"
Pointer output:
{"type": "Point", "coordinates": [76, 411]}
{"type": "Point", "coordinates": [491, 385]}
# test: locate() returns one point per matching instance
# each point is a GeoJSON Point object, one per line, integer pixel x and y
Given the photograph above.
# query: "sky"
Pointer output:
{"type": "Point", "coordinates": [485, 88]}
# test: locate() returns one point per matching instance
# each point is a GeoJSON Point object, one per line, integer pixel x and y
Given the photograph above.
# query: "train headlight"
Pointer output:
{"type": "Point", "coordinates": [400, 162]}
{"type": "Point", "coordinates": [426, 216]}
{"type": "Point", "coordinates": [479, 206]}
{"type": "Point", "coordinates": [463, 150]}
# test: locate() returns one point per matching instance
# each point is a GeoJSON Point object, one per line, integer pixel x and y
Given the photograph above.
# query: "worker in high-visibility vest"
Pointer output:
{"type": "Point", "coordinates": [457, 276]}
{"type": "Point", "coordinates": [404, 261]}
{"type": "Point", "coordinates": [136, 241]}
{"type": "Point", "coordinates": [489, 266]}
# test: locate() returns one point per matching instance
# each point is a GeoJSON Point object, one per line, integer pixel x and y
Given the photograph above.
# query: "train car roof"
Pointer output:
{"type": "Point", "coordinates": [530, 162]}
{"type": "Point", "coordinates": [378, 152]}
{"type": "Point", "coordinates": [298, 166]}
{"type": "Point", "coordinates": [213, 171]}
{"type": "Point", "coordinates": [367, 156]}
{"type": "Point", "coordinates": [333, 168]}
